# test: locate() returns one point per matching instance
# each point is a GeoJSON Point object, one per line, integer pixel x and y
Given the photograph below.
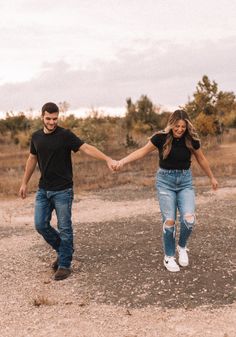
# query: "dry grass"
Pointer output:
{"type": "Point", "coordinates": [43, 300]}
{"type": "Point", "coordinates": [222, 161]}
{"type": "Point", "coordinates": [91, 174]}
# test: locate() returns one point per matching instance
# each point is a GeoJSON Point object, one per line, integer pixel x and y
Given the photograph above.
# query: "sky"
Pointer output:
{"type": "Point", "coordinates": [96, 54]}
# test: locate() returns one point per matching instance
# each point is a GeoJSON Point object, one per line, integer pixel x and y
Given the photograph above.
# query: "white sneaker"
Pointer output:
{"type": "Point", "coordinates": [183, 256]}
{"type": "Point", "coordinates": [170, 264]}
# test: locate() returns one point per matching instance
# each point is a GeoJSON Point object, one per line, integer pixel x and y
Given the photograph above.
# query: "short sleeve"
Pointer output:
{"type": "Point", "coordinates": [32, 148]}
{"type": "Point", "coordinates": [158, 139]}
{"type": "Point", "coordinates": [74, 142]}
{"type": "Point", "coordinates": [196, 144]}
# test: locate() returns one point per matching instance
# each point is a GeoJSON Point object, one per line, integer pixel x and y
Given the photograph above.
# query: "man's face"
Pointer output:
{"type": "Point", "coordinates": [50, 121]}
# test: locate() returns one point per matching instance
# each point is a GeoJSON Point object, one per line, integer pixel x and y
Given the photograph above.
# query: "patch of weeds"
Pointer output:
{"type": "Point", "coordinates": [42, 300]}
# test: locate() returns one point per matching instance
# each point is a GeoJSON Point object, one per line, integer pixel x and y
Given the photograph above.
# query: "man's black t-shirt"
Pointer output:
{"type": "Point", "coordinates": [53, 151]}
{"type": "Point", "coordinates": [179, 157]}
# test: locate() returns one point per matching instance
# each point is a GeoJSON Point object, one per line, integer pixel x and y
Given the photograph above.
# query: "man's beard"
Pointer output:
{"type": "Point", "coordinates": [50, 130]}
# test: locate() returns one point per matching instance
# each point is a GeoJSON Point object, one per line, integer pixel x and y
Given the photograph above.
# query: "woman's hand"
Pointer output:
{"type": "Point", "coordinates": [118, 166]}
{"type": "Point", "coordinates": [214, 183]}
{"type": "Point", "coordinates": [111, 163]}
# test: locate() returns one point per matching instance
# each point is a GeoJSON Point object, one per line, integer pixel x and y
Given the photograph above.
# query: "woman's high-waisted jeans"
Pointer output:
{"type": "Point", "coordinates": [175, 192]}
{"type": "Point", "coordinates": [62, 239]}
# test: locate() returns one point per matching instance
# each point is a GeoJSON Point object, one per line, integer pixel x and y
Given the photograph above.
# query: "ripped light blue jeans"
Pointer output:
{"type": "Point", "coordinates": [176, 193]}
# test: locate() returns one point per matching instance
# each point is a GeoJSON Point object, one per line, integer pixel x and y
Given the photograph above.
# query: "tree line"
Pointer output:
{"type": "Point", "coordinates": [212, 111]}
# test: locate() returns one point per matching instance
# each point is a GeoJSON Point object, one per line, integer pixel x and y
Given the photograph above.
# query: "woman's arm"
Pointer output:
{"type": "Point", "coordinates": [203, 163]}
{"type": "Point", "coordinates": [138, 154]}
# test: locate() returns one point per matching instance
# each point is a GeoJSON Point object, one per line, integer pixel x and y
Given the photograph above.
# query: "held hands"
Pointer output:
{"type": "Point", "coordinates": [119, 165]}
{"type": "Point", "coordinates": [115, 165]}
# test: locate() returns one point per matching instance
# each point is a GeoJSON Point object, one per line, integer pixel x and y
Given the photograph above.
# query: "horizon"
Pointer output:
{"type": "Point", "coordinates": [83, 112]}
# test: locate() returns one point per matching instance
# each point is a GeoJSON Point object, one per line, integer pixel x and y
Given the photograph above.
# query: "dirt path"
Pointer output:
{"type": "Point", "coordinates": [119, 287]}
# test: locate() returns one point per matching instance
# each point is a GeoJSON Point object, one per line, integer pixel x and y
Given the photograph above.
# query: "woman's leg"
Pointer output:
{"type": "Point", "coordinates": [186, 206]}
{"type": "Point", "coordinates": [167, 202]}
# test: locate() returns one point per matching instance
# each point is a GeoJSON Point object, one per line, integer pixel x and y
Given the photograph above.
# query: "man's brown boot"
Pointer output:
{"type": "Point", "coordinates": [62, 273]}
{"type": "Point", "coordinates": [55, 265]}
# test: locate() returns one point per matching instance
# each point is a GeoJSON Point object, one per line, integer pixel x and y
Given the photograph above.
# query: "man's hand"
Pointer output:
{"type": "Point", "coordinates": [119, 165]}
{"type": "Point", "coordinates": [23, 191]}
{"type": "Point", "coordinates": [112, 164]}
{"type": "Point", "coordinates": [29, 169]}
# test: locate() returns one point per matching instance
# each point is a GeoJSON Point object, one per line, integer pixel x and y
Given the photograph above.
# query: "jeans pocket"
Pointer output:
{"type": "Point", "coordinates": [68, 192]}
{"type": "Point", "coordinates": [40, 194]}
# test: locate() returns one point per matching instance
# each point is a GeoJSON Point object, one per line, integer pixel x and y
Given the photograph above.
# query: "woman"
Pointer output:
{"type": "Point", "coordinates": [174, 185]}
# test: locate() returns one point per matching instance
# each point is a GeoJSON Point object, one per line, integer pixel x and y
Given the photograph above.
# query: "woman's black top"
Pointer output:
{"type": "Point", "coordinates": [179, 157]}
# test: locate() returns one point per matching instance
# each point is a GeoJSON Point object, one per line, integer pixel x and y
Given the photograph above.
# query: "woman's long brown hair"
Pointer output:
{"type": "Point", "coordinates": [190, 133]}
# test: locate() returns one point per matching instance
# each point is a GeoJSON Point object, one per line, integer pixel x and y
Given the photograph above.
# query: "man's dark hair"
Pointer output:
{"type": "Point", "coordinates": [50, 108]}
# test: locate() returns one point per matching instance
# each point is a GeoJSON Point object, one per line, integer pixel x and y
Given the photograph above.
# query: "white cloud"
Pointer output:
{"type": "Point", "coordinates": [166, 72]}
{"type": "Point", "coordinates": [98, 53]}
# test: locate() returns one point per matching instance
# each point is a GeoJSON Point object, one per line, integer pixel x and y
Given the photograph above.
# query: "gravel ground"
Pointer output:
{"type": "Point", "coordinates": [119, 287]}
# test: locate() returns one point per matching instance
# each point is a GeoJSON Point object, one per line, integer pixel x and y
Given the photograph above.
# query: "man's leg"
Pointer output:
{"type": "Point", "coordinates": [42, 218]}
{"type": "Point", "coordinates": [63, 203]}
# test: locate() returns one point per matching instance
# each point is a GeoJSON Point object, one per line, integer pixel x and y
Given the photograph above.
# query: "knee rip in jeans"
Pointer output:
{"type": "Point", "coordinates": [189, 220]}
{"type": "Point", "coordinates": [169, 225]}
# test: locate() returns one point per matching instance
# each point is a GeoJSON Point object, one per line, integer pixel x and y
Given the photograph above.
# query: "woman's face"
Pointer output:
{"type": "Point", "coordinates": [179, 128]}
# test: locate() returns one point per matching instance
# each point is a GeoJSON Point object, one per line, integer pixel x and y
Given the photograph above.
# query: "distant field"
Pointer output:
{"type": "Point", "coordinates": [91, 174]}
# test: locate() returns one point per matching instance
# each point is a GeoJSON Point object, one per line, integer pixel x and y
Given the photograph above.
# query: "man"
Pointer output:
{"type": "Point", "coordinates": [51, 148]}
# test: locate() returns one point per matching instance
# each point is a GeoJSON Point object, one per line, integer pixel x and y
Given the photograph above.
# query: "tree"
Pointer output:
{"type": "Point", "coordinates": [211, 107]}
{"type": "Point", "coordinates": [143, 112]}
{"type": "Point", "coordinates": [205, 98]}
{"type": "Point", "coordinates": [225, 104]}
{"type": "Point", "coordinates": [70, 122]}
{"type": "Point", "coordinates": [14, 124]}
{"type": "Point", "coordinates": [205, 124]}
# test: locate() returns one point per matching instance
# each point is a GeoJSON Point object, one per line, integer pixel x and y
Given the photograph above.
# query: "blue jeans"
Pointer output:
{"type": "Point", "coordinates": [175, 192]}
{"type": "Point", "coordinates": [62, 239]}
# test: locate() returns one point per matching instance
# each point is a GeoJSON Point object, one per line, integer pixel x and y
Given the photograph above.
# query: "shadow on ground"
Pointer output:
{"type": "Point", "coordinates": [121, 261]}
{"type": "Point", "coordinates": [7, 232]}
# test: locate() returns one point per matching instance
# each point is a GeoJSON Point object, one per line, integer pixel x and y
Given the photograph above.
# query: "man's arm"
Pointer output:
{"type": "Point", "coordinates": [29, 169]}
{"type": "Point", "coordinates": [95, 153]}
